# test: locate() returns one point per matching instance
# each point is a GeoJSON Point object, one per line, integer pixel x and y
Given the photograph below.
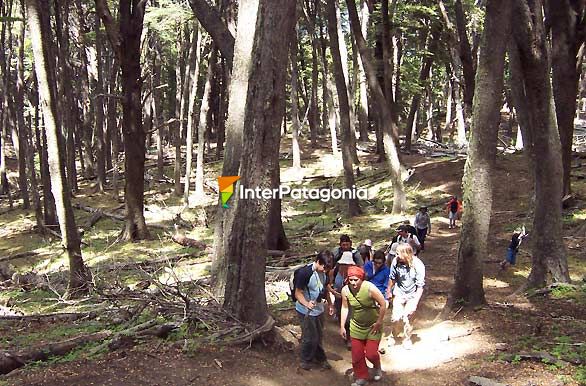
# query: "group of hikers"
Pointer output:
{"type": "Point", "coordinates": [357, 286]}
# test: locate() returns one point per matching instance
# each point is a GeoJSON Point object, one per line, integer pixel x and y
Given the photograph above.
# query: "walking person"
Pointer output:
{"type": "Point", "coordinates": [453, 207]}
{"type": "Point", "coordinates": [310, 293]}
{"type": "Point", "coordinates": [368, 311]}
{"type": "Point", "coordinates": [513, 249]}
{"type": "Point", "coordinates": [407, 279]}
{"type": "Point", "coordinates": [422, 225]}
{"type": "Point", "coordinates": [338, 279]}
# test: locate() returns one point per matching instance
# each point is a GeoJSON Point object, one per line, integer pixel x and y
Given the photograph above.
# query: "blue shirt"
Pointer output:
{"type": "Point", "coordinates": [407, 279]}
{"type": "Point", "coordinates": [379, 278]}
{"type": "Point", "coordinates": [315, 285]}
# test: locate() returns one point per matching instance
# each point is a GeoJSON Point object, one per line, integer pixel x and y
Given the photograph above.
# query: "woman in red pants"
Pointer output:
{"type": "Point", "coordinates": [368, 310]}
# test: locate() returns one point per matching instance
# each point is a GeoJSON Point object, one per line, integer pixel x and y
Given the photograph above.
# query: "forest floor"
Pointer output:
{"type": "Point", "coordinates": [487, 341]}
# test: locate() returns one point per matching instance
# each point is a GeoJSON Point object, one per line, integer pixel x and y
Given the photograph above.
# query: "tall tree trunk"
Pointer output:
{"type": "Point", "coordinates": [39, 24]}
{"type": "Point", "coordinates": [332, 116]}
{"type": "Point", "coordinates": [386, 119]}
{"type": "Point", "coordinates": [203, 123]}
{"type": "Point", "coordinates": [424, 74]}
{"type": "Point", "coordinates": [4, 94]}
{"type": "Point", "coordinates": [295, 123]}
{"type": "Point", "coordinates": [363, 96]}
{"type": "Point", "coordinates": [179, 66]}
{"type": "Point", "coordinates": [22, 128]}
{"type": "Point", "coordinates": [49, 210]}
{"type": "Point", "coordinates": [99, 111]}
{"type": "Point", "coordinates": [479, 168]}
{"type": "Point", "coordinates": [30, 160]}
{"type": "Point", "coordinates": [125, 39]}
{"type": "Point", "coordinates": [189, 93]}
{"type": "Point", "coordinates": [245, 244]}
{"type": "Point", "coordinates": [239, 84]}
{"type": "Point", "coordinates": [567, 34]}
{"type": "Point", "coordinates": [86, 127]}
{"type": "Point", "coordinates": [344, 57]}
{"type": "Point", "coordinates": [548, 249]}
{"type": "Point", "coordinates": [448, 94]}
{"type": "Point", "coordinates": [465, 52]}
{"type": "Point", "coordinates": [345, 126]}
{"type": "Point", "coordinates": [113, 125]}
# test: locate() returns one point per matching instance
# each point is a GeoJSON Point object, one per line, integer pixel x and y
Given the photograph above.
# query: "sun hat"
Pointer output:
{"type": "Point", "coordinates": [346, 258]}
{"type": "Point", "coordinates": [368, 242]}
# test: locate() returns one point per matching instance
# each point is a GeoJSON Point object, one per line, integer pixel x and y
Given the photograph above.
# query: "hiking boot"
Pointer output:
{"type": "Point", "coordinates": [360, 382]}
{"type": "Point", "coordinates": [324, 365]}
{"type": "Point", "coordinates": [377, 374]}
{"type": "Point", "coordinates": [305, 365]}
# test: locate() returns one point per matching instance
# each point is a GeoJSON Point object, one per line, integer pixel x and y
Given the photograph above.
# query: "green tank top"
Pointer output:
{"type": "Point", "coordinates": [364, 313]}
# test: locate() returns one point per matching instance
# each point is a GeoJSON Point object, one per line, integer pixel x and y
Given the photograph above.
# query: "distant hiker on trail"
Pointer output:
{"type": "Point", "coordinates": [366, 324]}
{"type": "Point", "coordinates": [338, 279]}
{"type": "Point", "coordinates": [518, 236]}
{"type": "Point", "coordinates": [422, 225]}
{"type": "Point", "coordinates": [377, 272]}
{"type": "Point", "coordinates": [310, 293]}
{"type": "Point", "coordinates": [346, 245]}
{"type": "Point", "coordinates": [454, 208]}
{"type": "Point", "coordinates": [407, 279]}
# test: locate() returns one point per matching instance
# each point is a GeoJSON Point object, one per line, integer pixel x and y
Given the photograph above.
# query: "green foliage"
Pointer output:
{"type": "Point", "coordinates": [165, 20]}
{"type": "Point", "coordinates": [580, 375]}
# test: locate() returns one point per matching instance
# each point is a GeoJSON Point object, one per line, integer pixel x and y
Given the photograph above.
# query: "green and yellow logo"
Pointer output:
{"type": "Point", "coordinates": [226, 185]}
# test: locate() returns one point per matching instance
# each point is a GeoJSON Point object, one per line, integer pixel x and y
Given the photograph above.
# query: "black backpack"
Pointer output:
{"type": "Point", "coordinates": [293, 279]}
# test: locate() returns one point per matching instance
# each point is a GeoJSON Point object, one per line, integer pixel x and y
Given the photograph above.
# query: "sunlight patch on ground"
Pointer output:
{"type": "Point", "coordinates": [434, 348]}
{"type": "Point", "coordinates": [490, 282]}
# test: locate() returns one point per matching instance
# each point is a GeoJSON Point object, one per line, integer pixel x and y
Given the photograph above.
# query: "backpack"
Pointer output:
{"type": "Point", "coordinates": [293, 279]}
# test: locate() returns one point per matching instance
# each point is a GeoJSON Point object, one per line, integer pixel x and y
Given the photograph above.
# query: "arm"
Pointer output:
{"type": "Point", "coordinates": [420, 283]}
{"type": "Point", "coordinates": [378, 297]}
{"type": "Point", "coordinates": [344, 314]}
{"type": "Point", "coordinates": [301, 299]}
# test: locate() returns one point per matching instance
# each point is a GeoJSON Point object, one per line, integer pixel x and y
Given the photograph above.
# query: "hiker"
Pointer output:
{"type": "Point", "coordinates": [404, 236]}
{"type": "Point", "coordinates": [422, 225]}
{"type": "Point", "coordinates": [338, 279]}
{"type": "Point", "coordinates": [518, 236]}
{"type": "Point", "coordinates": [310, 293]}
{"type": "Point", "coordinates": [368, 311]}
{"type": "Point", "coordinates": [406, 282]}
{"type": "Point", "coordinates": [410, 228]}
{"type": "Point", "coordinates": [365, 250]}
{"type": "Point", "coordinates": [454, 208]}
{"type": "Point", "coordinates": [346, 245]}
{"type": "Point", "coordinates": [377, 272]}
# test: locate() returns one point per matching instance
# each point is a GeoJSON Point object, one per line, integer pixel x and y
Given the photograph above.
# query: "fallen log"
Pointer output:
{"type": "Point", "coordinates": [252, 335]}
{"type": "Point", "coordinates": [53, 317]}
{"type": "Point", "coordinates": [114, 216]}
{"type": "Point", "coordinates": [20, 255]}
{"type": "Point", "coordinates": [13, 360]}
{"type": "Point", "coordinates": [131, 265]}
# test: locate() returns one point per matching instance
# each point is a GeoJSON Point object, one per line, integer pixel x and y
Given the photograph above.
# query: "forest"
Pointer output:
{"type": "Point", "coordinates": [138, 139]}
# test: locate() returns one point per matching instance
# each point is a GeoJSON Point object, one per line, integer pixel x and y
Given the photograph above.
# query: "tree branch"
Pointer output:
{"type": "Point", "coordinates": [211, 21]}
{"type": "Point", "coordinates": [110, 24]}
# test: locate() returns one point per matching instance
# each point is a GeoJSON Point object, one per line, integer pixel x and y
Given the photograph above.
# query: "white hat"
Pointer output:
{"type": "Point", "coordinates": [368, 242]}
{"type": "Point", "coordinates": [346, 258]}
{"type": "Point", "coordinates": [393, 250]}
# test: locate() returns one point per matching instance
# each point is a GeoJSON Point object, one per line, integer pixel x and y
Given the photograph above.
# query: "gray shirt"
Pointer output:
{"type": "Point", "coordinates": [407, 279]}
{"type": "Point", "coordinates": [422, 221]}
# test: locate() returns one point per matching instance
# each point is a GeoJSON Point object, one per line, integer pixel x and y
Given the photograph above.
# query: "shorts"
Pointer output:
{"type": "Point", "coordinates": [452, 215]}
{"type": "Point", "coordinates": [399, 305]}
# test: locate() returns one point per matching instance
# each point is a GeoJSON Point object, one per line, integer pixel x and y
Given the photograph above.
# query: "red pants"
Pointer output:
{"type": "Point", "coordinates": [362, 350]}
